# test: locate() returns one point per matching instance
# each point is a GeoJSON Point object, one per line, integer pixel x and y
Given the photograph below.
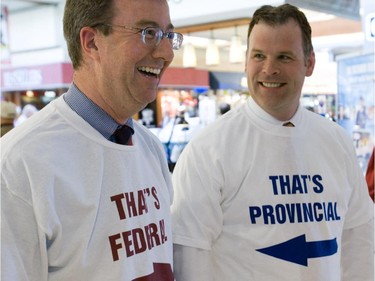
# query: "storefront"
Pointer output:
{"type": "Point", "coordinates": [174, 116]}
{"type": "Point", "coordinates": [229, 88]}
{"type": "Point", "coordinates": [36, 85]}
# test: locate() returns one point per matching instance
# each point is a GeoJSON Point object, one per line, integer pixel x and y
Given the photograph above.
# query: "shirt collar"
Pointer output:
{"type": "Point", "coordinates": [258, 111]}
{"type": "Point", "coordinates": [91, 112]}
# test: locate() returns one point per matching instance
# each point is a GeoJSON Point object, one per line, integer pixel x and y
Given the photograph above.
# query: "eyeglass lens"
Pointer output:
{"type": "Point", "coordinates": [153, 35]}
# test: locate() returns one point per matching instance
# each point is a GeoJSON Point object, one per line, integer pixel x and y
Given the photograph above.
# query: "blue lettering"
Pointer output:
{"type": "Point", "coordinates": [268, 214]}
{"type": "Point", "coordinates": [284, 184]}
{"type": "Point", "coordinates": [255, 212]}
{"type": "Point", "coordinates": [297, 186]}
{"type": "Point", "coordinates": [318, 215]}
{"type": "Point", "coordinates": [274, 184]}
{"type": "Point", "coordinates": [294, 213]}
{"type": "Point", "coordinates": [290, 209]}
{"type": "Point", "coordinates": [307, 212]}
{"type": "Point", "coordinates": [304, 178]}
{"type": "Point", "coordinates": [299, 213]}
{"type": "Point", "coordinates": [319, 186]}
{"type": "Point", "coordinates": [330, 215]}
{"type": "Point", "coordinates": [280, 213]}
{"type": "Point", "coordinates": [337, 217]}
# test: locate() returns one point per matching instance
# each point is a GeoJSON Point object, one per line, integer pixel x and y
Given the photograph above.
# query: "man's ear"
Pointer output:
{"type": "Point", "coordinates": [310, 63]}
{"type": "Point", "coordinates": [87, 36]}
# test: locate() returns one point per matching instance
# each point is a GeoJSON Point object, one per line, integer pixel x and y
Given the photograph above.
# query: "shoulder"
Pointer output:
{"type": "Point", "coordinates": [147, 139]}
{"type": "Point", "coordinates": [329, 133]}
{"type": "Point", "coordinates": [222, 126]}
{"type": "Point", "coordinates": [323, 123]}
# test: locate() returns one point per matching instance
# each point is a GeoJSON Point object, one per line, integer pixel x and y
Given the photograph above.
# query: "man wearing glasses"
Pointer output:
{"type": "Point", "coordinates": [85, 191]}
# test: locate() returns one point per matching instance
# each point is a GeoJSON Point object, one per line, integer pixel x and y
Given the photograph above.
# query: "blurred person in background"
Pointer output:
{"type": "Point", "coordinates": [8, 114]}
{"type": "Point", "coordinates": [27, 111]}
{"type": "Point", "coordinates": [370, 176]}
{"type": "Point", "coordinates": [271, 190]}
{"type": "Point", "coordinates": [85, 191]}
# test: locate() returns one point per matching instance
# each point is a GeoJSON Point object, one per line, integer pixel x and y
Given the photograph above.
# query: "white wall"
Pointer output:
{"type": "Point", "coordinates": [35, 36]}
{"type": "Point", "coordinates": [192, 12]}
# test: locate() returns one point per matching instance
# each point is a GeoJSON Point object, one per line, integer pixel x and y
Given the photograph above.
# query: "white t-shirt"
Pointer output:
{"type": "Point", "coordinates": [269, 202]}
{"type": "Point", "coordinates": [76, 206]}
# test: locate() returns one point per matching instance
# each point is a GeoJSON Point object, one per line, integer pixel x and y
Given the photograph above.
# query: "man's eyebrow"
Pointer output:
{"type": "Point", "coordinates": [290, 53]}
{"type": "Point", "coordinates": [152, 23]}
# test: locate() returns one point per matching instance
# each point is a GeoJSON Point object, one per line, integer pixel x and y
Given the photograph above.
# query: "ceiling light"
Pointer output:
{"type": "Point", "coordinates": [235, 52]}
{"type": "Point", "coordinates": [212, 52]}
{"type": "Point", "coordinates": [189, 58]}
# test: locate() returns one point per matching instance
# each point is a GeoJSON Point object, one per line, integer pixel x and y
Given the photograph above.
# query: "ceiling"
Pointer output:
{"type": "Point", "coordinates": [223, 23]}
{"type": "Point", "coordinates": [18, 5]}
{"type": "Point", "coordinates": [221, 19]}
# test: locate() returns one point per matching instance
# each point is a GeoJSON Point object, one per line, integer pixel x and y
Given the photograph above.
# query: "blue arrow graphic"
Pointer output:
{"type": "Point", "coordinates": [298, 251]}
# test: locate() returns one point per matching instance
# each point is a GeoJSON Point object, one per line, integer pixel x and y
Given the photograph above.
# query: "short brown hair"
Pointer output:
{"type": "Point", "coordinates": [280, 15]}
{"type": "Point", "coordinates": [81, 13]}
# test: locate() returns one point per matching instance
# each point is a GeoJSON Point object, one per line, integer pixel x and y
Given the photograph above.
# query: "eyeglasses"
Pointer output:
{"type": "Point", "coordinates": [152, 36]}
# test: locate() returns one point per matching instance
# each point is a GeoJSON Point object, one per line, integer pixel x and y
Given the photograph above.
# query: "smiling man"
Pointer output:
{"type": "Point", "coordinates": [86, 192]}
{"type": "Point", "coordinates": [272, 191]}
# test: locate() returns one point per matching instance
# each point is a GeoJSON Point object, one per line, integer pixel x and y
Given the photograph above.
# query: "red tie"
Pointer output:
{"type": "Point", "coordinates": [123, 135]}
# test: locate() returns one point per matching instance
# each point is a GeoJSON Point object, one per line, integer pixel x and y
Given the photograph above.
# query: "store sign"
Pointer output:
{"type": "Point", "coordinates": [22, 77]}
{"type": "Point", "coordinates": [50, 76]}
{"type": "Point", "coordinates": [355, 102]}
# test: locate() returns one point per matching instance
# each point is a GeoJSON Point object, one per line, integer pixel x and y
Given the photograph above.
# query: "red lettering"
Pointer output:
{"type": "Point", "coordinates": [120, 207]}
{"type": "Point", "coordinates": [115, 246]}
{"type": "Point", "coordinates": [131, 204]}
{"type": "Point", "coordinates": [162, 271]}
{"type": "Point", "coordinates": [163, 236]}
{"type": "Point", "coordinates": [138, 240]}
{"type": "Point", "coordinates": [153, 235]}
{"type": "Point", "coordinates": [128, 242]}
{"type": "Point", "coordinates": [154, 194]}
{"type": "Point", "coordinates": [142, 205]}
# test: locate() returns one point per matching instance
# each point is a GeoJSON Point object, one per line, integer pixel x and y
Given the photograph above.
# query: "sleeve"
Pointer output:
{"type": "Point", "coordinates": [357, 253]}
{"type": "Point", "coordinates": [197, 217]}
{"type": "Point", "coordinates": [21, 250]}
{"type": "Point", "coordinates": [360, 205]}
{"type": "Point", "coordinates": [191, 264]}
{"type": "Point", "coordinates": [357, 250]}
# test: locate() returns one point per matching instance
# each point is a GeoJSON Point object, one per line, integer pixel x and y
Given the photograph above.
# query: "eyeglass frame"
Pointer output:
{"type": "Point", "coordinates": [170, 35]}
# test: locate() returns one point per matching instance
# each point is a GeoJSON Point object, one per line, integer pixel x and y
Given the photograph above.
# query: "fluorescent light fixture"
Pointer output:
{"type": "Point", "coordinates": [189, 58]}
{"type": "Point", "coordinates": [212, 53]}
{"type": "Point", "coordinates": [236, 54]}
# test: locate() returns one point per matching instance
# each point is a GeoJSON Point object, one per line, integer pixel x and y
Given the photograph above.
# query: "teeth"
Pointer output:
{"type": "Point", "coordinates": [155, 71]}
{"type": "Point", "coordinates": [271, 85]}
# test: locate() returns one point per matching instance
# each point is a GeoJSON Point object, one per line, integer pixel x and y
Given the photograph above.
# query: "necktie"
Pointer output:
{"type": "Point", "coordinates": [123, 135]}
{"type": "Point", "coordinates": [288, 124]}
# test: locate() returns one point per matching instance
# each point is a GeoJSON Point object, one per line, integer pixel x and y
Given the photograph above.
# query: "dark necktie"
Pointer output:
{"type": "Point", "coordinates": [123, 135]}
{"type": "Point", "coordinates": [288, 124]}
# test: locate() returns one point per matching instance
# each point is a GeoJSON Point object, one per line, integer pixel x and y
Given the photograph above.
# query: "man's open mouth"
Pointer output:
{"type": "Point", "coordinates": [149, 71]}
{"type": "Point", "coordinates": [271, 84]}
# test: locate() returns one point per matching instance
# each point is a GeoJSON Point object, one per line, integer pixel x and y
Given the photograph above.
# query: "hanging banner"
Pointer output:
{"type": "Point", "coordinates": [355, 102]}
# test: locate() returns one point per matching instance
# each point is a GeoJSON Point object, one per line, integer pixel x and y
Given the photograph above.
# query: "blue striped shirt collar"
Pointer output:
{"type": "Point", "coordinates": [91, 112]}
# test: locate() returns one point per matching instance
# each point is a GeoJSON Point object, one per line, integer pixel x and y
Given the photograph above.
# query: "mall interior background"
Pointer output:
{"type": "Point", "coordinates": [208, 72]}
